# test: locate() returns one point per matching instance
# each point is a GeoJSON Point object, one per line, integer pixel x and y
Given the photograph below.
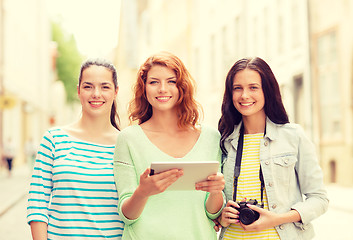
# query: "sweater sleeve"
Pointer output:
{"type": "Point", "coordinates": [215, 149]}
{"type": "Point", "coordinates": [41, 182]}
{"type": "Point", "coordinates": [126, 178]}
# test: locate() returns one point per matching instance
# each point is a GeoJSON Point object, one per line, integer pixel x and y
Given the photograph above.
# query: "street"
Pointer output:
{"type": "Point", "coordinates": [334, 224]}
{"type": "Point", "coordinates": [13, 225]}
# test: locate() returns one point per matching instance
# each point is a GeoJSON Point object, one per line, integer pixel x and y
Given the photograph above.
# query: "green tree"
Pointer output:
{"type": "Point", "coordinates": [69, 60]}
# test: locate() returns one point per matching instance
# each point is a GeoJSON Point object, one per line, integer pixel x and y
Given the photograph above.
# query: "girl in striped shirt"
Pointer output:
{"type": "Point", "coordinates": [72, 193]}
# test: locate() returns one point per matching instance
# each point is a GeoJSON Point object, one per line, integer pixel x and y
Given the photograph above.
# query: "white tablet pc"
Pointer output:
{"type": "Point", "coordinates": [193, 172]}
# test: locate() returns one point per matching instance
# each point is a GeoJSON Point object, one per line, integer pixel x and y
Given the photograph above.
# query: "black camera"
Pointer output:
{"type": "Point", "coordinates": [247, 215]}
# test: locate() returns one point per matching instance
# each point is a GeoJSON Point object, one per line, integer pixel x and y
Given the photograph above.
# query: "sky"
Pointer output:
{"type": "Point", "coordinates": [94, 23]}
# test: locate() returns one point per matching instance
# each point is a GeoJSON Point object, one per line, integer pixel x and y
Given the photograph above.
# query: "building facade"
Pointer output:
{"type": "Point", "coordinates": [277, 31]}
{"type": "Point", "coordinates": [307, 43]}
{"type": "Point", "coordinates": [147, 27]}
{"type": "Point", "coordinates": [27, 74]}
{"type": "Point", "coordinates": [331, 41]}
{"type": "Point", "coordinates": [209, 36]}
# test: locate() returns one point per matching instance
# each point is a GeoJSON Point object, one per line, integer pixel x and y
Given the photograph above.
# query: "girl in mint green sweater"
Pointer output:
{"type": "Point", "coordinates": [167, 130]}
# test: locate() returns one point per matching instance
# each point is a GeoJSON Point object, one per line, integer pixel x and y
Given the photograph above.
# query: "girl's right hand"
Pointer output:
{"type": "Point", "coordinates": [149, 185]}
{"type": "Point", "coordinates": [157, 183]}
{"type": "Point", "coordinates": [229, 214]}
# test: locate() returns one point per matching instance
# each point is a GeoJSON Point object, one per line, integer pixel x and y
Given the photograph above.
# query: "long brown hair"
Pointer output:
{"type": "Point", "coordinates": [187, 107]}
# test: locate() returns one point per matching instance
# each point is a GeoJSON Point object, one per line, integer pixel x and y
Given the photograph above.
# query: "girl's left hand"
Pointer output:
{"type": "Point", "coordinates": [266, 220]}
{"type": "Point", "coordinates": [213, 184]}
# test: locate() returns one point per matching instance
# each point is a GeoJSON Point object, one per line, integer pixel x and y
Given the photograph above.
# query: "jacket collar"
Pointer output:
{"type": "Point", "coordinates": [271, 129]}
{"type": "Point", "coordinates": [271, 132]}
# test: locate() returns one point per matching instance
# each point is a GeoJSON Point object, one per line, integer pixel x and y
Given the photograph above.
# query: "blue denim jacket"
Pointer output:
{"type": "Point", "coordinates": [293, 178]}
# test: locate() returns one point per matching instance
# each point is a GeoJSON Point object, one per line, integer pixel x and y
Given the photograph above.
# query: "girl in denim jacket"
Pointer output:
{"type": "Point", "coordinates": [277, 162]}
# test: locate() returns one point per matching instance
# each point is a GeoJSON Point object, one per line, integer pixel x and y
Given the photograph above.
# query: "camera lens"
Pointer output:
{"type": "Point", "coordinates": [248, 216]}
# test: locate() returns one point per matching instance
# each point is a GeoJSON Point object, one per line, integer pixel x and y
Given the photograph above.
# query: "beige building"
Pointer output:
{"type": "Point", "coordinates": [209, 36]}
{"type": "Point", "coordinates": [147, 27]}
{"type": "Point", "coordinates": [307, 46]}
{"type": "Point", "coordinates": [27, 74]}
{"type": "Point", "coordinates": [225, 31]}
{"type": "Point", "coordinates": [331, 42]}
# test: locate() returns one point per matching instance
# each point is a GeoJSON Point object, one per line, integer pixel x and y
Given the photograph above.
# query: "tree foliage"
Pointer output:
{"type": "Point", "coordinates": [68, 61]}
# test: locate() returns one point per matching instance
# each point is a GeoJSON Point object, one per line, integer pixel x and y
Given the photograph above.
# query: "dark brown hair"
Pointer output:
{"type": "Point", "coordinates": [114, 117]}
{"type": "Point", "coordinates": [274, 108]}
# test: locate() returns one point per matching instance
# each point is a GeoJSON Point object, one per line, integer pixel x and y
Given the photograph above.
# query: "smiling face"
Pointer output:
{"type": "Point", "coordinates": [161, 90]}
{"type": "Point", "coordinates": [248, 97]}
{"type": "Point", "coordinates": [97, 91]}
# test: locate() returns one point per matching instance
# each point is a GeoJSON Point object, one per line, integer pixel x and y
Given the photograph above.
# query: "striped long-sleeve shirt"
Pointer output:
{"type": "Point", "coordinates": [73, 189]}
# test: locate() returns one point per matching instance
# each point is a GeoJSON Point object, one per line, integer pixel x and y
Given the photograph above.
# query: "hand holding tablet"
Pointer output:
{"type": "Point", "coordinates": [193, 172]}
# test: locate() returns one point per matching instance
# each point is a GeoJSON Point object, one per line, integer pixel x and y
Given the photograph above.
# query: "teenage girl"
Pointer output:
{"type": "Point", "coordinates": [277, 162]}
{"type": "Point", "coordinates": [72, 193]}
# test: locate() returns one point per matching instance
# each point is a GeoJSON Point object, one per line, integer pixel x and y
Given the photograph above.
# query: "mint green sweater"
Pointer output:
{"type": "Point", "coordinates": [171, 214]}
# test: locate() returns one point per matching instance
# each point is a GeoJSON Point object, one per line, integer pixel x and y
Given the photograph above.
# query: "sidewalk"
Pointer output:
{"type": "Point", "coordinates": [340, 197]}
{"type": "Point", "coordinates": [14, 188]}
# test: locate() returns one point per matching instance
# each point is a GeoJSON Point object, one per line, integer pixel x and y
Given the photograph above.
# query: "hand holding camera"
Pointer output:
{"type": "Point", "coordinates": [243, 213]}
{"type": "Point", "coordinates": [246, 215]}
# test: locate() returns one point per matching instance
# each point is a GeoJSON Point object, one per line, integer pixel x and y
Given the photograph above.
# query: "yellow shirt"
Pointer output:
{"type": "Point", "coordinates": [249, 187]}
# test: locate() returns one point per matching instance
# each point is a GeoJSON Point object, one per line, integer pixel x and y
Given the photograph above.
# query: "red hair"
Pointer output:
{"type": "Point", "coordinates": [187, 108]}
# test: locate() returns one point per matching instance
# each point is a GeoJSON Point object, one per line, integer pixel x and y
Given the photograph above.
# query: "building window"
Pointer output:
{"type": "Point", "coordinates": [280, 35]}
{"type": "Point", "coordinates": [266, 34]}
{"type": "Point", "coordinates": [213, 58]}
{"type": "Point", "coordinates": [236, 37]}
{"type": "Point", "coordinates": [197, 63]}
{"type": "Point", "coordinates": [225, 50]}
{"type": "Point", "coordinates": [329, 87]}
{"type": "Point", "coordinates": [296, 17]}
{"type": "Point", "coordinates": [256, 40]}
{"type": "Point", "coordinates": [332, 171]}
{"type": "Point", "coordinates": [298, 99]}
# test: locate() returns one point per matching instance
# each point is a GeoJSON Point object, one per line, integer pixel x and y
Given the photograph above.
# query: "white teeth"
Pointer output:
{"type": "Point", "coordinates": [96, 103]}
{"type": "Point", "coordinates": [163, 98]}
{"type": "Point", "coordinates": [245, 104]}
